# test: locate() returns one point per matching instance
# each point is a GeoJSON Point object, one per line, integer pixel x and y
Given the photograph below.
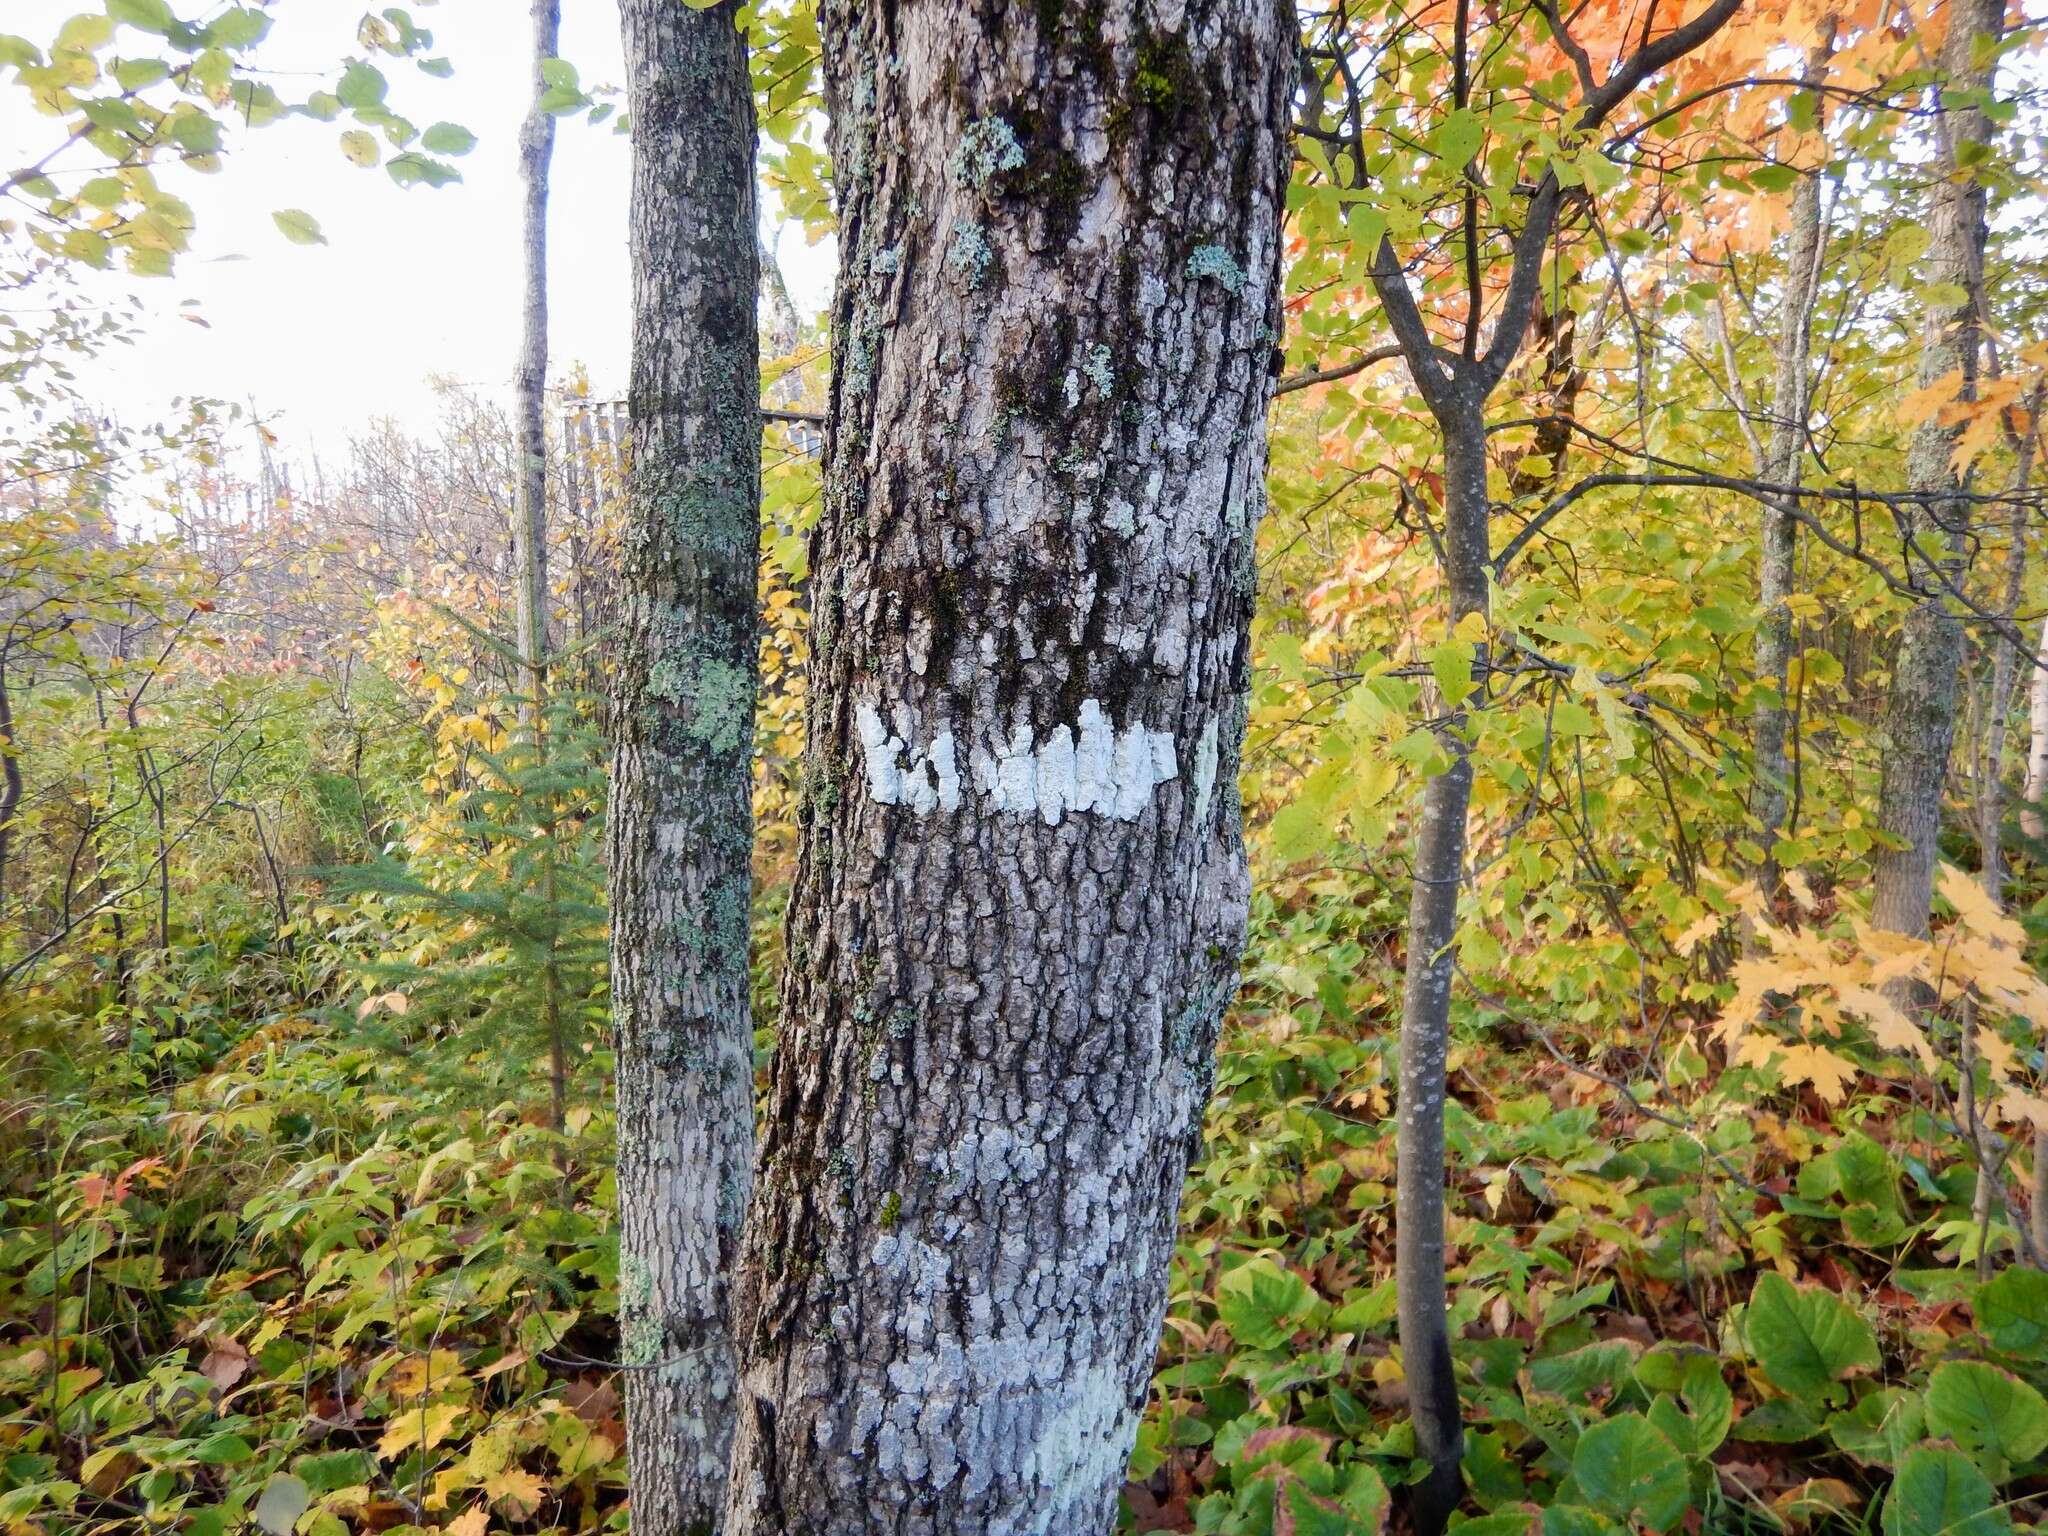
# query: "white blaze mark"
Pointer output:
{"type": "Point", "coordinates": [930, 780]}
{"type": "Point", "coordinates": [1090, 767]}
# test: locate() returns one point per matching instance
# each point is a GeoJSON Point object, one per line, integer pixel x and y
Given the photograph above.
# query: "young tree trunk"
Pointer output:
{"type": "Point", "coordinates": [530, 514]}
{"type": "Point", "coordinates": [681, 820]}
{"type": "Point", "coordinates": [1022, 893]}
{"type": "Point", "coordinates": [2037, 743]}
{"type": "Point", "coordinates": [1925, 693]}
{"type": "Point", "coordinates": [1439, 873]}
{"type": "Point", "coordinates": [530, 511]}
{"type": "Point", "coordinates": [1784, 454]}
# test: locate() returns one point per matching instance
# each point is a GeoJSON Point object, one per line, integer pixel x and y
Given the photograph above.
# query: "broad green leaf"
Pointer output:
{"type": "Point", "coordinates": [1578, 1373]}
{"type": "Point", "coordinates": [145, 15]}
{"type": "Point", "coordinates": [1939, 1493]}
{"type": "Point", "coordinates": [283, 1500]}
{"type": "Point", "coordinates": [240, 26]}
{"type": "Point", "coordinates": [448, 139]}
{"type": "Point", "coordinates": [1262, 1304]}
{"type": "Point", "coordinates": [1880, 1426]}
{"type": "Point", "coordinates": [1986, 1410]}
{"type": "Point", "coordinates": [2013, 1311]}
{"type": "Point", "coordinates": [1625, 1468]}
{"type": "Point", "coordinates": [1807, 1340]}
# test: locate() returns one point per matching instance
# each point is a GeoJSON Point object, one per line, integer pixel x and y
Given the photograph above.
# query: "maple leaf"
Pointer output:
{"type": "Point", "coordinates": [473, 1521]}
{"type": "Point", "coordinates": [1890, 1025]}
{"type": "Point", "coordinates": [1996, 1054]}
{"type": "Point", "coordinates": [1925, 403]}
{"type": "Point", "coordinates": [426, 1427]}
{"type": "Point", "coordinates": [517, 1488]}
{"type": "Point", "coordinates": [1698, 934]}
{"type": "Point", "coordinates": [1976, 910]}
{"type": "Point", "coordinates": [1830, 1074]}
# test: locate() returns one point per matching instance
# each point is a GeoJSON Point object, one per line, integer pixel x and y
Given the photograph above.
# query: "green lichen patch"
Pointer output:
{"type": "Point", "coordinates": [1214, 262]}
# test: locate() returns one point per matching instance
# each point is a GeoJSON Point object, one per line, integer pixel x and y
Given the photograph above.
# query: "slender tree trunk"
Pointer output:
{"type": "Point", "coordinates": [2037, 743]}
{"type": "Point", "coordinates": [1022, 891]}
{"type": "Point", "coordinates": [1784, 454]}
{"type": "Point", "coordinates": [530, 513]}
{"type": "Point", "coordinates": [1921, 707]}
{"type": "Point", "coordinates": [10, 778]}
{"type": "Point", "coordinates": [1439, 873]}
{"type": "Point", "coordinates": [681, 821]}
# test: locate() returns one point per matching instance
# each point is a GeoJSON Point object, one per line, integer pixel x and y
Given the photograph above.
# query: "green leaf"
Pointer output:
{"type": "Point", "coordinates": [1458, 136]}
{"type": "Point", "coordinates": [1880, 1426]}
{"type": "Point", "coordinates": [358, 147]}
{"type": "Point", "coordinates": [140, 74]}
{"type": "Point", "coordinates": [1808, 1341]}
{"type": "Point", "coordinates": [1451, 664]}
{"type": "Point", "coordinates": [223, 1450]}
{"type": "Point", "coordinates": [448, 139]}
{"type": "Point", "coordinates": [2013, 1311]}
{"type": "Point", "coordinates": [1938, 1493]}
{"type": "Point", "coordinates": [1986, 1410]}
{"type": "Point", "coordinates": [411, 170]}
{"type": "Point", "coordinates": [299, 226]}
{"type": "Point", "coordinates": [284, 1499]}
{"type": "Point", "coordinates": [362, 87]}
{"type": "Point", "coordinates": [1262, 1304]}
{"type": "Point", "coordinates": [145, 15]}
{"type": "Point", "coordinates": [1579, 1373]}
{"type": "Point", "coordinates": [1625, 1468]}
{"type": "Point", "coordinates": [559, 75]}
{"type": "Point", "coordinates": [242, 26]}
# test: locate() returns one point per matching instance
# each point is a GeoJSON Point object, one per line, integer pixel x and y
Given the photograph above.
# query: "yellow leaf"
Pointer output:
{"type": "Point", "coordinates": [518, 1488]}
{"type": "Point", "coordinates": [473, 1521]}
{"type": "Point", "coordinates": [1698, 934]}
{"type": "Point", "coordinates": [424, 1427]}
{"type": "Point", "coordinates": [1795, 882]}
{"type": "Point", "coordinates": [1976, 910]}
{"type": "Point", "coordinates": [1996, 1054]}
{"type": "Point", "coordinates": [1828, 1073]}
{"type": "Point", "coordinates": [1923, 404]}
{"type": "Point", "coordinates": [1890, 1026]}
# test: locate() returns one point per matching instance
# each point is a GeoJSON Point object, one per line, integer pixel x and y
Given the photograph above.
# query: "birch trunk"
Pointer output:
{"type": "Point", "coordinates": [681, 821]}
{"type": "Point", "coordinates": [2037, 744]}
{"type": "Point", "coordinates": [1022, 893]}
{"type": "Point", "coordinates": [1926, 685]}
{"type": "Point", "coordinates": [530, 511]}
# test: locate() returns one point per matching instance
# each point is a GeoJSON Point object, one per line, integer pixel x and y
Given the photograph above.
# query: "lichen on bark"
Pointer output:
{"type": "Point", "coordinates": [1018, 913]}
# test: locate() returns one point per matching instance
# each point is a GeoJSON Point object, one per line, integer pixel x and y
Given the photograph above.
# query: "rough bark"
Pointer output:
{"type": "Point", "coordinates": [1925, 693]}
{"type": "Point", "coordinates": [681, 821]}
{"type": "Point", "coordinates": [1022, 891]}
{"type": "Point", "coordinates": [1784, 453]}
{"type": "Point", "coordinates": [1439, 872]}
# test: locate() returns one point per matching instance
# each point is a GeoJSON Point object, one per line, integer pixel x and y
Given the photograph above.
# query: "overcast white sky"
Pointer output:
{"type": "Point", "coordinates": [412, 283]}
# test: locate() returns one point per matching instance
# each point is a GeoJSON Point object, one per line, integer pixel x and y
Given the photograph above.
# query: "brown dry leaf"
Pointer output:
{"type": "Point", "coordinates": [225, 1364]}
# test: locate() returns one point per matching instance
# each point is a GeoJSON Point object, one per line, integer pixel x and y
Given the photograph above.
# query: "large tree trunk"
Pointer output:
{"type": "Point", "coordinates": [1022, 892]}
{"type": "Point", "coordinates": [1921, 708]}
{"type": "Point", "coordinates": [1439, 874]}
{"type": "Point", "coordinates": [681, 821]}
